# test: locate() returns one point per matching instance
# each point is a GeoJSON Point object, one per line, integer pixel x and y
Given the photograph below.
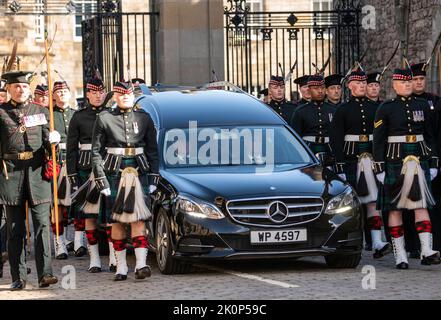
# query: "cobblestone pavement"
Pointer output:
{"type": "Point", "coordinates": [307, 278]}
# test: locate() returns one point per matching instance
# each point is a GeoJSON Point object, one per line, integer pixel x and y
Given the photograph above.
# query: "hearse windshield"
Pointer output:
{"type": "Point", "coordinates": [256, 146]}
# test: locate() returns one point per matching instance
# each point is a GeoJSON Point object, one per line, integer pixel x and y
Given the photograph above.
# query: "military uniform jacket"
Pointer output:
{"type": "Point", "coordinates": [313, 119]}
{"type": "Point", "coordinates": [403, 117]}
{"type": "Point", "coordinates": [62, 118]}
{"type": "Point", "coordinates": [22, 173]}
{"type": "Point", "coordinates": [335, 105]}
{"type": "Point", "coordinates": [435, 114]}
{"type": "Point", "coordinates": [118, 128]}
{"type": "Point", "coordinates": [283, 108]}
{"type": "Point", "coordinates": [80, 133]}
{"type": "Point", "coordinates": [355, 117]}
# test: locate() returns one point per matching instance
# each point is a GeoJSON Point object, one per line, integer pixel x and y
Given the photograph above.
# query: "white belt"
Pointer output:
{"type": "Point", "coordinates": [359, 138]}
{"type": "Point", "coordinates": [405, 139]}
{"type": "Point", "coordinates": [62, 146]}
{"type": "Point", "coordinates": [316, 139]}
{"type": "Point", "coordinates": [85, 147]}
{"type": "Point", "coordinates": [125, 151]}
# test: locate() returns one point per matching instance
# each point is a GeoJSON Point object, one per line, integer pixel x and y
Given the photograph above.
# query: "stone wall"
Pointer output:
{"type": "Point", "coordinates": [424, 28]}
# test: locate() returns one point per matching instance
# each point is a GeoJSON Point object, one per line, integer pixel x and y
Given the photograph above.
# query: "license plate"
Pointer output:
{"type": "Point", "coordinates": [279, 236]}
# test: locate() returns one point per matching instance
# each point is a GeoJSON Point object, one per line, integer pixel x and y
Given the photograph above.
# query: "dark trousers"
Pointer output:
{"type": "Point", "coordinates": [16, 227]}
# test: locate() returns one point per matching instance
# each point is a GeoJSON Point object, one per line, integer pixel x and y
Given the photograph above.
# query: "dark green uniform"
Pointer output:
{"type": "Point", "coordinates": [78, 158]}
{"type": "Point", "coordinates": [23, 156]}
{"type": "Point", "coordinates": [353, 118]}
{"type": "Point", "coordinates": [62, 118]}
{"type": "Point", "coordinates": [283, 108]}
{"type": "Point", "coordinates": [312, 122]}
{"type": "Point", "coordinates": [131, 128]}
{"type": "Point", "coordinates": [401, 117]}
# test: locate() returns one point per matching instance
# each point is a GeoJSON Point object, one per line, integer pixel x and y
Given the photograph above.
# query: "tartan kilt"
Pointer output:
{"type": "Point", "coordinates": [83, 176]}
{"type": "Point", "coordinates": [351, 164]}
{"type": "Point", "coordinates": [114, 180]}
{"type": "Point", "coordinates": [393, 171]}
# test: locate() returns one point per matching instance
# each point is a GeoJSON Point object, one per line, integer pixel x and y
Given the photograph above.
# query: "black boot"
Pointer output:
{"type": "Point", "coordinates": [383, 251]}
{"type": "Point", "coordinates": [120, 277]}
{"type": "Point", "coordinates": [80, 252]}
{"type": "Point", "coordinates": [47, 280]}
{"type": "Point", "coordinates": [18, 285]}
{"type": "Point", "coordinates": [95, 270]}
{"type": "Point", "coordinates": [402, 266]}
{"type": "Point", "coordinates": [433, 259]}
{"type": "Point", "coordinates": [143, 273]}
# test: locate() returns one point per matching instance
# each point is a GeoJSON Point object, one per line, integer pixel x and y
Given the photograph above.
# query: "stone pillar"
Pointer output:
{"type": "Point", "coordinates": [190, 41]}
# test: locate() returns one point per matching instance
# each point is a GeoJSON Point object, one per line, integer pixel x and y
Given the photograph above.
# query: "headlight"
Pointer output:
{"type": "Point", "coordinates": [344, 203]}
{"type": "Point", "coordinates": [198, 208]}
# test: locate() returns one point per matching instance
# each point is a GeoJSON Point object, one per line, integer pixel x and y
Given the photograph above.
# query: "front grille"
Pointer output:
{"type": "Point", "coordinates": [255, 211]}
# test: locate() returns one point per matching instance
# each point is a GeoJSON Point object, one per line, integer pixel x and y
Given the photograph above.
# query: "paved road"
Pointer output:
{"type": "Point", "coordinates": [307, 278]}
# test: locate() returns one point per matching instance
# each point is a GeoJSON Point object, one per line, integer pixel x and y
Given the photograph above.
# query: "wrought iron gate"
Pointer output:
{"type": "Point", "coordinates": [256, 42]}
{"type": "Point", "coordinates": [116, 42]}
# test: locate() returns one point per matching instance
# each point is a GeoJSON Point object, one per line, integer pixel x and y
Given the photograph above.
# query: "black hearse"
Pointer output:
{"type": "Point", "coordinates": [238, 183]}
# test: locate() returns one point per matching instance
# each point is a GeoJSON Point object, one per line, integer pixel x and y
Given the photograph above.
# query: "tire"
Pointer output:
{"type": "Point", "coordinates": [166, 263]}
{"type": "Point", "coordinates": [343, 261]}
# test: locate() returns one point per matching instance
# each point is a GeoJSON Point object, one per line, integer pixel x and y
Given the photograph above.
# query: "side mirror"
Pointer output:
{"type": "Point", "coordinates": [326, 159]}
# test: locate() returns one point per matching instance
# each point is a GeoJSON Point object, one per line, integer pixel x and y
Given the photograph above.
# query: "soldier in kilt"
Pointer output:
{"type": "Point", "coordinates": [41, 95]}
{"type": "Point", "coordinates": [63, 114]}
{"type": "Point", "coordinates": [278, 102]}
{"type": "Point", "coordinates": [89, 205]}
{"type": "Point", "coordinates": [405, 163]}
{"type": "Point", "coordinates": [351, 141]}
{"type": "Point", "coordinates": [334, 90]}
{"type": "Point", "coordinates": [129, 136]}
{"type": "Point", "coordinates": [373, 88]}
{"type": "Point", "coordinates": [312, 120]}
{"type": "Point", "coordinates": [305, 94]}
{"type": "Point", "coordinates": [419, 83]}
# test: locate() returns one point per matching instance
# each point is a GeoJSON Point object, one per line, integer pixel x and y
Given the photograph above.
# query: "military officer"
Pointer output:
{"type": "Point", "coordinates": [62, 116]}
{"type": "Point", "coordinates": [41, 95]}
{"type": "Point", "coordinates": [276, 92]}
{"type": "Point", "coordinates": [419, 83]}
{"type": "Point", "coordinates": [79, 169]}
{"type": "Point", "coordinates": [24, 138]}
{"type": "Point", "coordinates": [374, 87]}
{"type": "Point", "coordinates": [305, 94]}
{"type": "Point", "coordinates": [405, 163]}
{"type": "Point", "coordinates": [351, 141]}
{"type": "Point", "coordinates": [334, 89]}
{"type": "Point", "coordinates": [312, 120]}
{"type": "Point", "coordinates": [129, 136]}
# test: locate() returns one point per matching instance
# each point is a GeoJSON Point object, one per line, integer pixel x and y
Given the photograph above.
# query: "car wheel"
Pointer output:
{"type": "Point", "coordinates": [343, 261]}
{"type": "Point", "coordinates": [166, 263]}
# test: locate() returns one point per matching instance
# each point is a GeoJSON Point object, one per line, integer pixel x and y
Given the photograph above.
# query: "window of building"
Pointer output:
{"type": "Point", "coordinates": [322, 19]}
{"type": "Point", "coordinates": [85, 7]}
{"type": "Point", "coordinates": [254, 5]}
{"type": "Point", "coordinates": [39, 20]}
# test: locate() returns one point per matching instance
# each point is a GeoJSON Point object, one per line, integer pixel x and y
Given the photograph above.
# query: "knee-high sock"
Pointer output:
{"type": "Point", "coordinates": [92, 246]}
{"type": "Point", "coordinates": [112, 260]}
{"type": "Point", "coordinates": [397, 236]}
{"type": "Point", "coordinates": [120, 255]}
{"type": "Point", "coordinates": [424, 229]}
{"type": "Point", "coordinates": [374, 225]}
{"type": "Point", "coordinates": [140, 244]}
